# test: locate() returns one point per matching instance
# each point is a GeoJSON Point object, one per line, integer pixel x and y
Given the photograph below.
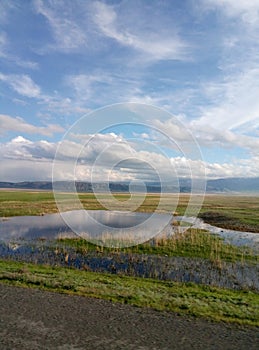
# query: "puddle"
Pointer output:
{"type": "Point", "coordinates": [90, 224]}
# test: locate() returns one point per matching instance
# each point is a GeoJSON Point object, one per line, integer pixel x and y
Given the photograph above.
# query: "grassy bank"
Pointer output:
{"type": "Point", "coordinates": [233, 212]}
{"type": "Point", "coordinates": [196, 300]}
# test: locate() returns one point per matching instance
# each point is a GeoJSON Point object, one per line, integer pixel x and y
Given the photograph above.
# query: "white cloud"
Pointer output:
{"type": "Point", "coordinates": [22, 84]}
{"type": "Point", "coordinates": [28, 170]}
{"type": "Point", "coordinates": [5, 6]}
{"type": "Point", "coordinates": [85, 85]}
{"type": "Point", "coordinates": [246, 10]}
{"type": "Point", "coordinates": [229, 105]}
{"type": "Point", "coordinates": [240, 168]}
{"type": "Point", "coordinates": [102, 88]}
{"type": "Point", "coordinates": [23, 63]}
{"type": "Point", "coordinates": [235, 106]}
{"type": "Point", "coordinates": [203, 133]}
{"type": "Point", "coordinates": [194, 168]}
{"type": "Point", "coordinates": [3, 43]}
{"type": "Point", "coordinates": [209, 136]}
{"type": "Point", "coordinates": [153, 43]}
{"type": "Point", "coordinates": [8, 123]}
{"type": "Point", "coordinates": [235, 99]}
{"type": "Point", "coordinates": [226, 111]}
{"type": "Point", "coordinates": [67, 33]}
{"type": "Point", "coordinates": [20, 148]}
{"type": "Point", "coordinates": [83, 24]}
{"type": "Point", "coordinates": [176, 131]}
{"type": "Point", "coordinates": [107, 157]}
{"type": "Point", "coordinates": [104, 157]}
{"type": "Point", "coordinates": [6, 55]}
{"type": "Point", "coordinates": [25, 86]}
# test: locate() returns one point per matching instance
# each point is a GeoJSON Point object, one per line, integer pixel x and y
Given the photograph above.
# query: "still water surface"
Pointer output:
{"type": "Point", "coordinates": [91, 223]}
{"type": "Point", "coordinates": [96, 224]}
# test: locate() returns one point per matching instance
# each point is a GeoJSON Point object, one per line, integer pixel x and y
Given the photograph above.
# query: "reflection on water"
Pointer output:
{"type": "Point", "coordinates": [98, 224]}
{"type": "Point", "coordinates": [87, 224]}
{"type": "Point", "coordinates": [30, 227]}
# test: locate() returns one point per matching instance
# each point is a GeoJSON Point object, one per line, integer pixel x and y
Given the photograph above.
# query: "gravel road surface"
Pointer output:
{"type": "Point", "coordinates": [35, 319]}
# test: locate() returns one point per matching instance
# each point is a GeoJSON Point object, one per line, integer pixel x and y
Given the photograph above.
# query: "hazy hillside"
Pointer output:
{"type": "Point", "coordinates": [234, 185]}
{"type": "Point", "coordinates": [218, 185]}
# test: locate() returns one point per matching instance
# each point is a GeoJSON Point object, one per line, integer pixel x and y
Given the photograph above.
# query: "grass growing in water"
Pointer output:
{"type": "Point", "coordinates": [196, 300]}
{"type": "Point", "coordinates": [192, 243]}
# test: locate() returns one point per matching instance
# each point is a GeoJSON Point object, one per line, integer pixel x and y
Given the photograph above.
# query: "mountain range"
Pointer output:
{"type": "Point", "coordinates": [225, 185]}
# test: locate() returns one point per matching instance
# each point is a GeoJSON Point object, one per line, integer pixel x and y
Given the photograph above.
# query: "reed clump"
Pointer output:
{"type": "Point", "coordinates": [192, 242]}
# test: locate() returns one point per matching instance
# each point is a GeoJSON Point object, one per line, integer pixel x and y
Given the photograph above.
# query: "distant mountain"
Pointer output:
{"type": "Point", "coordinates": [88, 187]}
{"type": "Point", "coordinates": [38, 185]}
{"type": "Point", "coordinates": [81, 186]}
{"type": "Point", "coordinates": [213, 186]}
{"type": "Point", "coordinates": [236, 184]}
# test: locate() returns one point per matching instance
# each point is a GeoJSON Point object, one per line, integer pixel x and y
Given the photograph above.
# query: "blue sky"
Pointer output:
{"type": "Point", "coordinates": [195, 59]}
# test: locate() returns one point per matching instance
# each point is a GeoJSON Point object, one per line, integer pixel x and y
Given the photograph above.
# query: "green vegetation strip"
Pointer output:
{"type": "Point", "coordinates": [193, 243]}
{"type": "Point", "coordinates": [197, 300]}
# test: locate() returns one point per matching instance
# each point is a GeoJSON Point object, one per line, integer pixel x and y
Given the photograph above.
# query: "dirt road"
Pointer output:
{"type": "Point", "coordinates": [34, 319]}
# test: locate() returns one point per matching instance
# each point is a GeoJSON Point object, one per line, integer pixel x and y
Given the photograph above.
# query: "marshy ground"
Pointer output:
{"type": "Point", "coordinates": [242, 211]}
{"type": "Point", "coordinates": [194, 274]}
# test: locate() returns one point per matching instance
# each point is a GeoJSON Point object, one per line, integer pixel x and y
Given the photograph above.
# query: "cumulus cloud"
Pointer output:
{"type": "Point", "coordinates": [103, 156]}
{"type": "Point", "coordinates": [25, 160]}
{"type": "Point", "coordinates": [112, 156]}
{"type": "Point", "coordinates": [21, 148]}
{"type": "Point", "coordinates": [108, 158]}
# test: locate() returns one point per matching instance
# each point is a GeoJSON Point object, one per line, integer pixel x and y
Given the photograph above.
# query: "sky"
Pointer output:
{"type": "Point", "coordinates": [185, 71]}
